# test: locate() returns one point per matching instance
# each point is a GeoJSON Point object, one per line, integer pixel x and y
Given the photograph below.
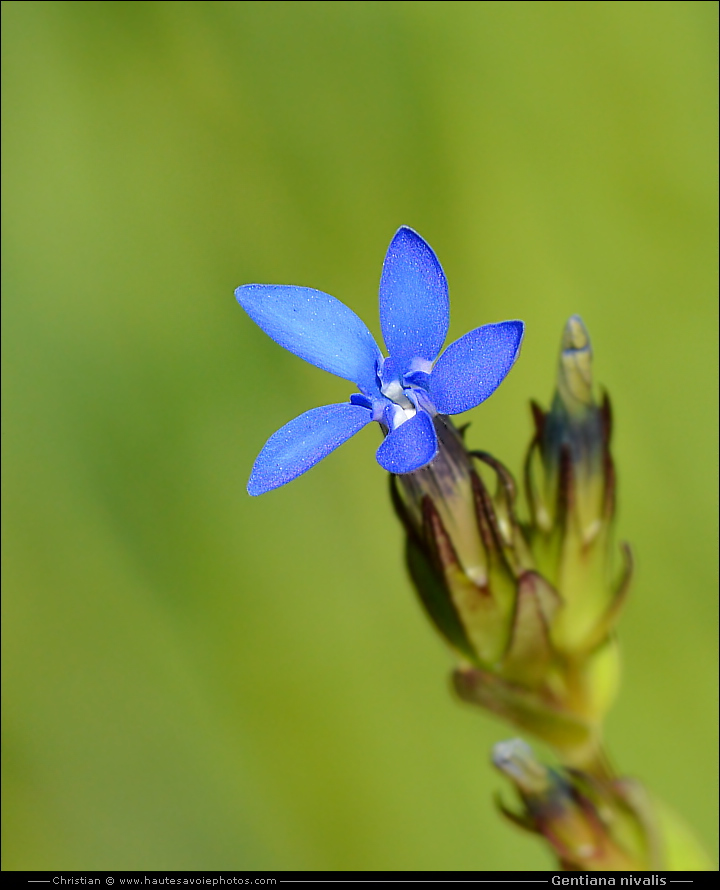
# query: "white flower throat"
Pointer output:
{"type": "Point", "coordinates": [394, 391]}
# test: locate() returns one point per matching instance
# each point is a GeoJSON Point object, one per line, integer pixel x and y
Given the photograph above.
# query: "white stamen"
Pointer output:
{"type": "Point", "coordinates": [400, 415]}
{"type": "Point", "coordinates": [394, 391]}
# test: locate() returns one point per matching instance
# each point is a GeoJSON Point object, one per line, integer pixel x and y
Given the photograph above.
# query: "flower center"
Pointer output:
{"type": "Point", "coordinates": [394, 391]}
{"type": "Point", "coordinates": [391, 386]}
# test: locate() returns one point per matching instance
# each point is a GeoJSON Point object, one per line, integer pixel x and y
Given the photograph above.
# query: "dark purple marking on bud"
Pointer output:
{"type": "Point", "coordinates": [504, 475]}
{"type": "Point", "coordinates": [505, 521]}
{"type": "Point", "coordinates": [608, 463]}
{"type": "Point", "coordinates": [487, 522]}
{"type": "Point", "coordinates": [425, 565]}
{"type": "Point", "coordinates": [574, 450]}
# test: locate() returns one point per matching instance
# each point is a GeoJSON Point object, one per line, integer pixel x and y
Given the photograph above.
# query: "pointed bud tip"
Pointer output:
{"type": "Point", "coordinates": [575, 335]}
{"type": "Point", "coordinates": [516, 760]}
{"type": "Point", "coordinates": [574, 382]}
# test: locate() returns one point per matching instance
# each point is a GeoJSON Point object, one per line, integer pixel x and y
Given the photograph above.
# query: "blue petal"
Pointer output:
{"type": "Point", "coordinates": [410, 446]}
{"type": "Point", "coordinates": [473, 367]}
{"type": "Point", "coordinates": [316, 327]}
{"type": "Point", "coordinates": [300, 444]}
{"type": "Point", "coordinates": [414, 303]}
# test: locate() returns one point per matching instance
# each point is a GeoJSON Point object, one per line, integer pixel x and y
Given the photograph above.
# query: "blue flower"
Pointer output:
{"type": "Point", "coordinates": [402, 392]}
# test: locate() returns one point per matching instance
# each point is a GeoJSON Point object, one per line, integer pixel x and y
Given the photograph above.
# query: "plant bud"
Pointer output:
{"type": "Point", "coordinates": [591, 825]}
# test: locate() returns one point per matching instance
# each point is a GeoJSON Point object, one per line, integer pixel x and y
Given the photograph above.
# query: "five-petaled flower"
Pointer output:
{"type": "Point", "coordinates": [402, 392]}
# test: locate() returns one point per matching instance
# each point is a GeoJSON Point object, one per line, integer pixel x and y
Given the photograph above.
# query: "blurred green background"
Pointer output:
{"type": "Point", "coordinates": [197, 679]}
